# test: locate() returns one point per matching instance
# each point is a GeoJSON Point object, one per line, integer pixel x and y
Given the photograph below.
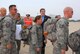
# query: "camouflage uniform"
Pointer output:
{"type": "Point", "coordinates": [62, 36]}
{"type": "Point", "coordinates": [36, 39]}
{"type": "Point", "coordinates": [74, 41]}
{"type": "Point", "coordinates": [50, 27]}
{"type": "Point", "coordinates": [78, 52]}
{"type": "Point", "coordinates": [8, 36]}
{"type": "Point", "coordinates": [1, 19]}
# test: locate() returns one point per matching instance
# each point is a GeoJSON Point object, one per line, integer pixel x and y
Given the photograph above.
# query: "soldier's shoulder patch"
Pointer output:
{"type": "Point", "coordinates": [8, 24]}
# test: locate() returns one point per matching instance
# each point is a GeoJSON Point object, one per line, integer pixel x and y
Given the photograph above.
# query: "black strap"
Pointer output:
{"type": "Point", "coordinates": [2, 19]}
{"type": "Point", "coordinates": [30, 28]}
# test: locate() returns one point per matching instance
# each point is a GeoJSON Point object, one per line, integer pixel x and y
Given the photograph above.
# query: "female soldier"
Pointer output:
{"type": "Point", "coordinates": [36, 36]}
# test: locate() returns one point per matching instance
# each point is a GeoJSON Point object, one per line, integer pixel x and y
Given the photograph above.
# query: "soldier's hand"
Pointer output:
{"type": "Point", "coordinates": [24, 27]}
{"type": "Point", "coordinates": [38, 49]}
{"type": "Point", "coordinates": [45, 34]}
{"type": "Point", "coordinates": [62, 51]}
{"type": "Point", "coordinates": [9, 46]}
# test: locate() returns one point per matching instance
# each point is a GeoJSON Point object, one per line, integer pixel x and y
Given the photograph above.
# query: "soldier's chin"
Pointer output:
{"type": "Point", "coordinates": [70, 17]}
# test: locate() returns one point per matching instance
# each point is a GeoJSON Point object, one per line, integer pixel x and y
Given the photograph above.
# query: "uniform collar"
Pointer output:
{"type": "Point", "coordinates": [38, 25]}
{"type": "Point", "coordinates": [11, 16]}
{"type": "Point", "coordinates": [65, 18]}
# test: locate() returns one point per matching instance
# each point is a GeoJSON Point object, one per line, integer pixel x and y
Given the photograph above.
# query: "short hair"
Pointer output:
{"type": "Point", "coordinates": [57, 16]}
{"type": "Point", "coordinates": [11, 6]}
{"type": "Point", "coordinates": [18, 14]}
{"type": "Point", "coordinates": [2, 8]}
{"type": "Point", "coordinates": [68, 9]}
{"type": "Point", "coordinates": [42, 9]}
{"type": "Point", "coordinates": [37, 18]}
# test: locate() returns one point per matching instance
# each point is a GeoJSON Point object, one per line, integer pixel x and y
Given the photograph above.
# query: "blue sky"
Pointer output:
{"type": "Point", "coordinates": [53, 7]}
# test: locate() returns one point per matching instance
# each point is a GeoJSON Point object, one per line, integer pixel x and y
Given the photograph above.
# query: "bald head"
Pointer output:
{"type": "Point", "coordinates": [68, 12]}
{"type": "Point", "coordinates": [68, 9]}
{"type": "Point", "coordinates": [3, 11]}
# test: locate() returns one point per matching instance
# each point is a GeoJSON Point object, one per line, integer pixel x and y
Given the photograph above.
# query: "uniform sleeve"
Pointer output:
{"type": "Point", "coordinates": [45, 25]}
{"type": "Point", "coordinates": [6, 31]}
{"type": "Point", "coordinates": [62, 32]}
{"type": "Point", "coordinates": [0, 29]}
{"type": "Point", "coordinates": [34, 35]}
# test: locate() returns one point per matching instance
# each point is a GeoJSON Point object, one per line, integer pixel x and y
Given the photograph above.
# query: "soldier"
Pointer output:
{"type": "Point", "coordinates": [50, 29]}
{"type": "Point", "coordinates": [8, 45]}
{"type": "Point", "coordinates": [36, 36]}
{"type": "Point", "coordinates": [2, 16]}
{"type": "Point", "coordinates": [62, 32]}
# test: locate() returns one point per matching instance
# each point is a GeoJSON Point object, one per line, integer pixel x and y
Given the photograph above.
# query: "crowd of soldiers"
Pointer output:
{"type": "Point", "coordinates": [45, 27]}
